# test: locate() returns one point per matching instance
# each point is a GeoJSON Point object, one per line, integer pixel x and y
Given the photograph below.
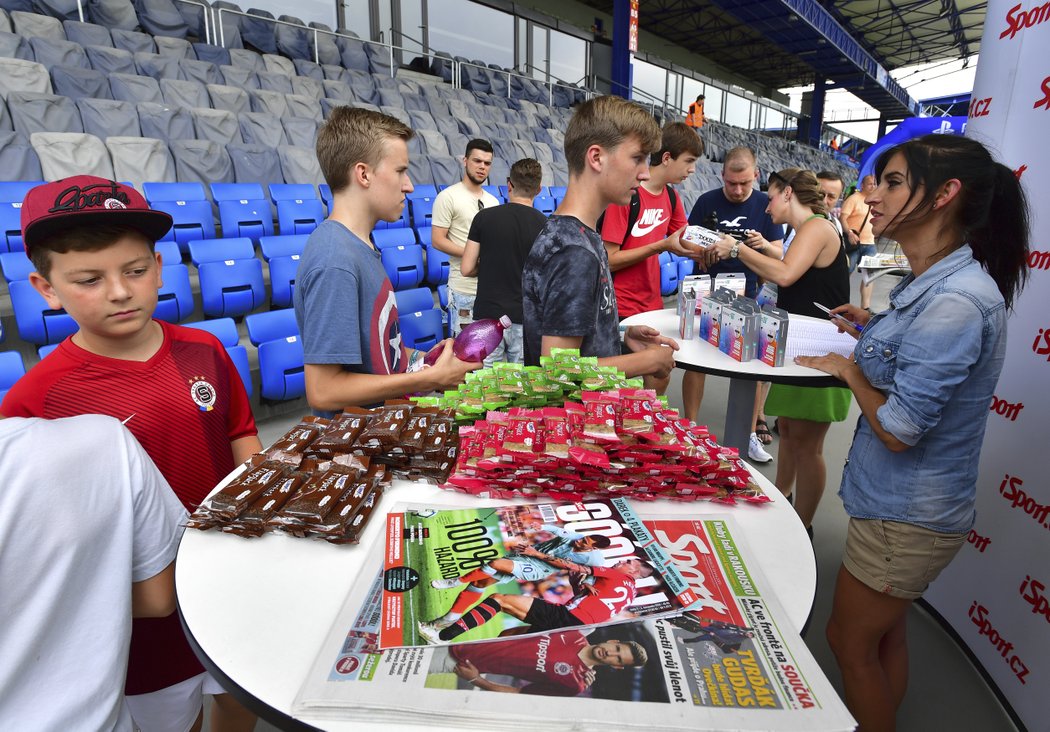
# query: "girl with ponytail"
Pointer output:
{"type": "Point", "coordinates": [923, 373]}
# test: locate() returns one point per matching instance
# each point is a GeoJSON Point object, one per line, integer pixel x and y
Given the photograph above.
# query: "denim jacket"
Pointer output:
{"type": "Point", "coordinates": [936, 354]}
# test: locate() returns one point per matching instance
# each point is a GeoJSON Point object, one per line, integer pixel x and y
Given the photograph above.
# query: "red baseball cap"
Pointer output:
{"type": "Point", "coordinates": [87, 199]}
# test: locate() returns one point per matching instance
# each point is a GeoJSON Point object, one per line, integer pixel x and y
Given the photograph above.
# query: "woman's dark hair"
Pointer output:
{"type": "Point", "coordinates": [993, 210]}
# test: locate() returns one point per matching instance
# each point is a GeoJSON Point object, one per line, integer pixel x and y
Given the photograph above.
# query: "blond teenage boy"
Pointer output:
{"type": "Point", "coordinates": [175, 388]}
{"type": "Point", "coordinates": [344, 302]}
{"type": "Point", "coordinates": [567, 290]}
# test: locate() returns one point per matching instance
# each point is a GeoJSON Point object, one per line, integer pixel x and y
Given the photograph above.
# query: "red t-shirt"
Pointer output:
{"type": "Point", "coordinates": [550, 662]}
{"type": "Point", "coordinates": [638, 286]}
{"type": "Point", "coordinates": [615, 591]}
{"type": "Point", "coordinates": [188, 404]}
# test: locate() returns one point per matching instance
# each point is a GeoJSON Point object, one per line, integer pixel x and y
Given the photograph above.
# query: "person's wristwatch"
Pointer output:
{"type": "Point", "coordinates": [734, 251]}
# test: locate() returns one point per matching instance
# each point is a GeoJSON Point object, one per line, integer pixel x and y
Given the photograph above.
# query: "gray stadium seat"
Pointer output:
{"type": "Point", "coordinates": [328, 105]}
{"type": "Point", "coordinates": [112, 14]}
{"type": "Point", "coordinates": [300, 131]}
{"type": "Point", "coordinates": [13, 45]}
{"type": "Point", "coordinates": [5, 19]}
{"type": "Point", "coordinates": [135, 89]}
{"type": "Point", "coordinates": [300, 106]}
{"type": "Point", "coordinates": [397, 113]}
{"type": "Point", "coordinates": [293, 41]}
{"type": "Point", "coordinates": [61, 9]}
{"type": "Point", "coordinates": [391, 98]}
{"type": "Point", "coordinates": [157, 66]}
{"type": "Point", "coordinates": [38, 112]}
{"type": "Point", "coordinates": [446, 170]}
{"type": "Point", "coordinates": [421, 121]}
{"type": "Point", "coordinates": [379, 61]}
{"type": "Point", "coordinates": [435, 142]}
{"type": "Point", "coordinates": [212, 53]}
{"type": "Point", "coordinates": [75, 82]}
{"type": "Point", "coordinates": [51, 52]}
{"type": "Point", "coordinates": [140, 159]}
{"type": "Point", "coordinates": [63, 154]}
{"type": "Point", "coordinates": [230, 24]}
{"type": "Point", "coordinates": [178, 48]}
{"type": "Point", "coordinates": [352, 53]}
{"type": "Point", "coordinates": [217, 125]}
{"type": "Point", "coordinates": [419, 170]}
{"type": "Point", "coordinates": [87, 34]}
{"type": "Point", "coordinates": [178, 93]}
{"type": "Point", "coordinates": [132, 41]}
{"type": "Point", "coordinates": [304, 86]}
{"type": "Point", "coordinates": [5, 118]}
{"type": "Point", "coordinates": [259, 34]}
{"type": "Point", "coordinates": [30, 25]}
{"type": "Point", "coordinates": [305, 67]}
{"type": "Point", "coordinates": [363, 86]}
{"type": "Point", "coordinates": [274, 81]}
{"type": "Point", "coordinates": [255, 164]}
{"type": "Point", "coordinates": [164, 122]}
{"type": "Point", "coordinates": [500, 170]}
{"type": "Point", "coordinates": [18, 159]}
{"type": "Point", "coordinates": [278, 64]}
{"type": "Point", "coordinates": [241, 78]}
{"type": "Point", "coordinates": [246, 59]}
{"type": "Point", "coordinates": [229, 98]}
{"type": "Point", "coordinates": [326, 50]}
{"type": "Point", "coordinates": [110, 60]}
{"type": "Point", "coordinates": [259, 128]}
{"type": "Point", "coordinates": [335, 73]}
{"type": "Point", "coordinates": [204, 72]}
{"type": "Point", "coordinates": [161, 18]}
{"type": "Point", "coordinates": [339, 91]}
{"type": "Point", "coordinates": [299, 164]}
{"type": "Point", "coordinates": [195, 17]}
{"type": "Point", "coordinates": [104, 117]}
{"type": "Point", "coordinates": [201, 161]}
{"type": "Point", "coordinates": [267, 101]}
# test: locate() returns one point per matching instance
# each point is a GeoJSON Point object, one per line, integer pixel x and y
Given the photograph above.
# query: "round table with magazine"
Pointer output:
{"type": "Point", "coordinates": [258, 611]}
{"type": "Point", "coordinates": [697, 355]}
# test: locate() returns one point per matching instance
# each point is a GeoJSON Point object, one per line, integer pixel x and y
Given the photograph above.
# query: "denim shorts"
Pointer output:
{"type": "Point", "coordinates": [460, 311]}
{"type": "Point", "coordinates": [511, 349]}
{"type": "Point", "coordinates": [864, 250]}
{"type": "Point", "coordinates": [896, 558]}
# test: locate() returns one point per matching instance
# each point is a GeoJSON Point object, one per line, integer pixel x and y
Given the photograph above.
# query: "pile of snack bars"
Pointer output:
{"type": "Point", "coordinates": [323, 478]}
{"type": "Point", "coordinates": [623, 442]}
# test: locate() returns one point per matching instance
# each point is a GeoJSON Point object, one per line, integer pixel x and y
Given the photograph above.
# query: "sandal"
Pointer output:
{"type": "Point", "coordinates": [762, 430]}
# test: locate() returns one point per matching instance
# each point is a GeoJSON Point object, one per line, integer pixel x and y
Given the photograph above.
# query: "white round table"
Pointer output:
{"type": "Point", "coordinates": [257, 611]}
{"type": "Point", "coordinates": [697, 355]}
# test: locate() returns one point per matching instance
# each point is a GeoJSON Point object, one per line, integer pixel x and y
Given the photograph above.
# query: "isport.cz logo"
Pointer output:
{"type": "Point", "coordinates": [1017, 19]}
{"type": "Point", "coordinates": [1044, 101]}
{"type": "Point", "coordinates": [980, 107]}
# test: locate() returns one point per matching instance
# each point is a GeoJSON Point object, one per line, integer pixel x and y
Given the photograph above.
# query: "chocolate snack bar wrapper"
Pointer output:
{"type": "Point", "coordinates": [244, 489]}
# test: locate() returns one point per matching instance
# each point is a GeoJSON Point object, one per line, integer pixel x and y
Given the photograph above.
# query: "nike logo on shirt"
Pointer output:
{"type": "Point", "coordinates": [644, 225]}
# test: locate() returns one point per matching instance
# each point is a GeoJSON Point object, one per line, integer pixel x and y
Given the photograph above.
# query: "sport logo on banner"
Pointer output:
{"type": "Point", "coordinates": [1017, 19]}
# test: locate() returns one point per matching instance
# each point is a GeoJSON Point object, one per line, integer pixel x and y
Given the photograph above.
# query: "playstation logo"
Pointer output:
{"type": "Point", "coordinates": [945, 128]}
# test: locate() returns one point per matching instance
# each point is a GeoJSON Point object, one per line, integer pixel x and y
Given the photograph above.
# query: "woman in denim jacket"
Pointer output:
{"type": "Point", "coordinates": [923, 373]}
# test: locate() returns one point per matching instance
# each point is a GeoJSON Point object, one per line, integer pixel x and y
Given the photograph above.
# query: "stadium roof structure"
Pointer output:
{"type": "Point", "coordinates": [854, 45]}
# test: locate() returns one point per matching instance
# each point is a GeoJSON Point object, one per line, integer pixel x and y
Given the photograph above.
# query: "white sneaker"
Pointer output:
{"type": "Point", "coordinates": [429, 633]}
{"type": "Point", "coordinates": [756, 451]}
{"type": "Point", "coordinates": [445, 584]}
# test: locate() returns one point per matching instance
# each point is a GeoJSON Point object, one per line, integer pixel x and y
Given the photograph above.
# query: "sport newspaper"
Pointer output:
{"type": "Point", "coordinates": [735, 662]}
{"type": "Point", "coordinates": [483, 551]}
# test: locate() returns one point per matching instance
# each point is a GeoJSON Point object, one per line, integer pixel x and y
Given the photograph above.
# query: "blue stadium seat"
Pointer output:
{"type": "Point", "coordinates": [422, 210]}
{"type": "Point", "coordinates": [423, 190]}
{"type": "Point", "coordinates": [244, 210]}
{"type": "Point", "coordinates": [16, 266]}
{"type": "Point", "coordinates": [11, 195]}
{"type": "Point", "coordinates": [189, 208]}
{"type": "Point", "coordinates": [414, 301]}
{"type": "Point", "coordinates": [404, 265]}
{"type": "Point", "coordinates": [239, 356]}
{"type": "Point", "coordinates": [387, 238]}
{"type": "Point", "coordinates": [222, 328]}
{"type": "Point", "coordinates": [438, 265]}
{"type": "Point", "coordinates": [544, 204]}
{"type": "Point", "coordinates": [425, 235]}
{"type": "Point", "coordinates": [11, 370]}
{"type": "Point", "coordinates": [558, 192]}
{"type": "Point", "coordinates": [45, 351]}
{"type": "Point", "coordinates": [299, 210]}
{"type": "Point", "coordinates": [325, 192]}
{"type": "Point", "coordinates": [686, 267]}
{"type": "Point", "coordinates": [37, 323]}
{"type": "Point", "coordinates": [501, 192]}
{"type": "Point", "coordinates": [668, 274]}
{"type": "Point", "coordinates": [282, 255]}
{"type": "Point", "coordinates": [402, 222]}
{"type": "Point", "coordinates": [169, 252]}
{"type": "Point", "coordinates": [231, 278]}
{"type": "Point", "coordinates": [175, 297]}
{"type": "Point", "coordinates": [284, 245]}
{"type": "Point", "coordinates": [443, 296]}
{"type": "Point", "coordinates": [271, 326]}
{"type": "Point", "coordinates": [421, 330]}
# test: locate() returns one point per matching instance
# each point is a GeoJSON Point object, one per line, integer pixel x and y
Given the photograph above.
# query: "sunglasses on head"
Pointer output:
{"type": "Point", "coordinates": [775, 177]}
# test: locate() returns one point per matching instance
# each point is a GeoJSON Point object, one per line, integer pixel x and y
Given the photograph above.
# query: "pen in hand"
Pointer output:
{"type": "Point", "coordinates": [846, 321]}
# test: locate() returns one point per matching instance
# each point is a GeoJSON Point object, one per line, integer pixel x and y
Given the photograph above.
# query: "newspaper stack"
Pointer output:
{"type": "Point", "coordinates": [731, 662]}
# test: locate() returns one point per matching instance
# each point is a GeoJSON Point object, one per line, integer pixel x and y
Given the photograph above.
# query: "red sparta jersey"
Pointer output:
{"type": "Point", "coordinates": [638, 286]}
{"type": "Point", "coordinates": [615, 591]}
{"type": "Point", "coordinates": [186, 404]}
{"type": "Point", "coordinates": [551, 663]}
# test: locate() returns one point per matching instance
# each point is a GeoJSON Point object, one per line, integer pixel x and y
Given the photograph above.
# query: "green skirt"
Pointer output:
{"type": "Point", "coordinates": [817, 404]}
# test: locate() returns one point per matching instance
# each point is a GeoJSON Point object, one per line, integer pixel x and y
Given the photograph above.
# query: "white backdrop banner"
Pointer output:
{"type": "Point", "coordinates": [996, 594]}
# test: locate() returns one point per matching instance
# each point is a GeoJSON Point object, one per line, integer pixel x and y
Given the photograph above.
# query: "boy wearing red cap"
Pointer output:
{"type": "Point", "coordinates": [92, 242]}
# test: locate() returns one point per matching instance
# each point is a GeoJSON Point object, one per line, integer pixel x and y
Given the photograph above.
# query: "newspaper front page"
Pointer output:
{"type": "Point", "coordinates": [734, 662]}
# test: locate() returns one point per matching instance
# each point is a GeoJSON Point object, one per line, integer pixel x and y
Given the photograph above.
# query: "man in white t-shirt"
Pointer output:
{"type": "Point", "coordinates": [454, 210]}
{"type": "Point", "coordinates": [89, 531]}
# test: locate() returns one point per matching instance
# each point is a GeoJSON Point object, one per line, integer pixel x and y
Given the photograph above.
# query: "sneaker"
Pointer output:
{"type": "Point", "coordinates": [445, 584]}
{"type": "Point", "coordinates": [756, 452]}
{"type": "Point", "coordinates": [429, 633]}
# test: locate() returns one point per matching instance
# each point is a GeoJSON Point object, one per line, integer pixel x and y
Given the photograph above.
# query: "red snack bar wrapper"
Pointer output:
{"type": "Point", "coordinates": [521, 435]}
{"type": "Point", "coordinates": [585, 454]}
{"type": "Point", "coordinates": [599, 422]}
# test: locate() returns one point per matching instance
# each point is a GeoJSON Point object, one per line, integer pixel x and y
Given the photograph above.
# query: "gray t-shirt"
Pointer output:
{"type": "Point", "coordinates": [345, 306]}
{"type": "Point", "coordinates": [567, 290]}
